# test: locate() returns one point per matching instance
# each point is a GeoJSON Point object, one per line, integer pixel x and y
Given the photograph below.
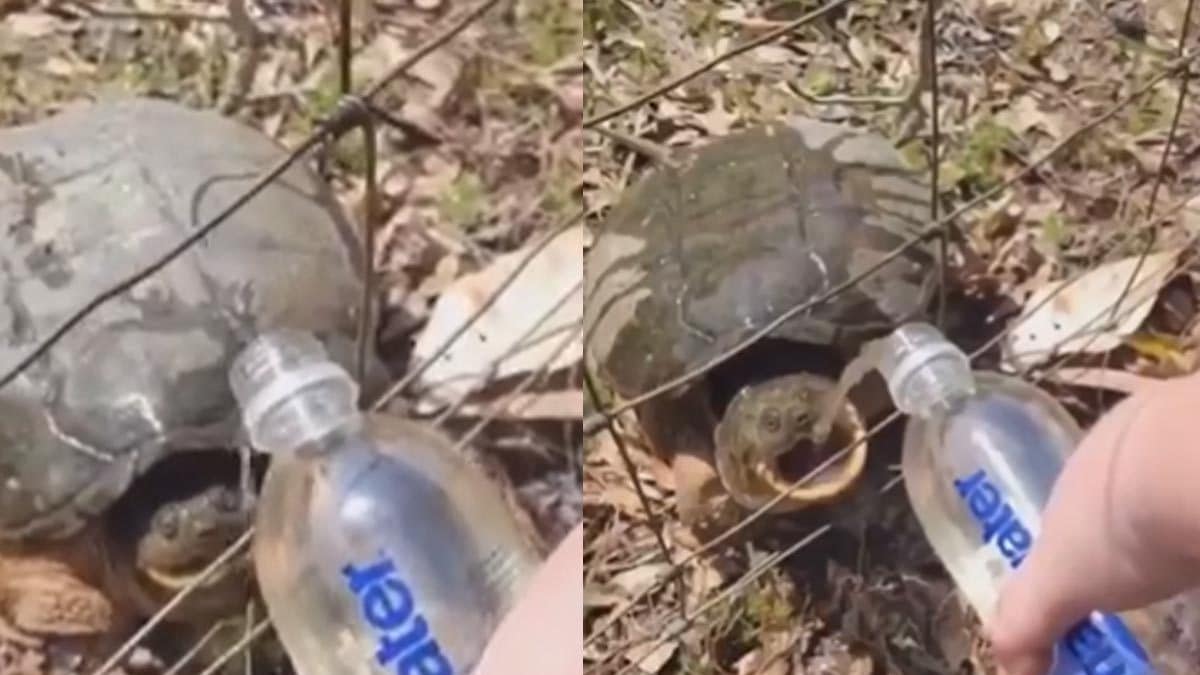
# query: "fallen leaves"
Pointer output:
{"type": "Point", "coordinates": [1077, 315]}
{"type": "Point", "coordinates": [527, 323]}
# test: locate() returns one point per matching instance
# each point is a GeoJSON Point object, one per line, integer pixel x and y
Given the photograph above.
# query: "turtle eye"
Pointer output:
{"type": "Point", "coordinates": [167, 523]}
{"type": "Point", "coordinates": [771, 421]}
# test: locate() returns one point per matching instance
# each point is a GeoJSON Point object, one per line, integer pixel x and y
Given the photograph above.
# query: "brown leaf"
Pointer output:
{"type": "Point", "coordinates": [1076, 319]}
{"type": "Point", "coordinates": [513, 334]}
{"type": "Point", "coordinates": [559, 405]}
{"type": "Point", "coordinates": [651, 657]}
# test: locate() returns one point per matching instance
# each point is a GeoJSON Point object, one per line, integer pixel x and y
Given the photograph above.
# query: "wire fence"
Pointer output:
{"type": "Point", "coordinates": [669, 628]}
{"type": "Point", "coordinates": [356, 110]}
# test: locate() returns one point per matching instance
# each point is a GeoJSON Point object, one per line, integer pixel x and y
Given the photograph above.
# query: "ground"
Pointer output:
{"type": "Point", "coordinates": [480, 158]}
{"type": "Point", "coordinates": [1014, 81]}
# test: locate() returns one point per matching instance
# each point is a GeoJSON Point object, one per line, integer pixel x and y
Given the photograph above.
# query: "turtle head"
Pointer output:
{"type": "Point", "coordinates": [172, 523]}
{"type": "Point", "coordinates": [184, 535]}
{"type": "Point", "coordinates": [765, 442]}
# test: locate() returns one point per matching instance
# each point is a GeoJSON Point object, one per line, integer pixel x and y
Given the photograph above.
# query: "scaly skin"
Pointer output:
{"type": "Point", "coordinates": [769, 419]}
{"type": "Point", "coordinates": [159, 542]}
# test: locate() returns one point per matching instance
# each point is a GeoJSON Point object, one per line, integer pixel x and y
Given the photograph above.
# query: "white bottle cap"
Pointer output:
{"type": "Point", "coordinates": [922, 368]}
{"type": "Point", "coordinates": [290, 391]}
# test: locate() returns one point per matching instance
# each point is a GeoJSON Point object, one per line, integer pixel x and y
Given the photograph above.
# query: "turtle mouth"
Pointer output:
{"type": "Point", "coordinates": [832, 467]}
{"type": "Point", "coordinates": [175, 579]}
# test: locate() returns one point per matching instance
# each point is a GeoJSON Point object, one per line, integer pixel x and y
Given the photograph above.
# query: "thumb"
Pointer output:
{"type": "Point", "coordinates": [1033, 613]}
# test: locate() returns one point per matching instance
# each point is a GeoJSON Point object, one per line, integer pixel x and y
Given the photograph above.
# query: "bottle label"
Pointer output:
{"type": "Point", "coordinates": [404, 643]}
{"type": "Point", "coordinates": [1098, 645]}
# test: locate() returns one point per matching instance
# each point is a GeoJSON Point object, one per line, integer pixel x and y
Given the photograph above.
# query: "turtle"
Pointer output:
{"type": "Point", "coordinates": [116, 446]}
{"type": "Point", "coordinates": [713, 245]}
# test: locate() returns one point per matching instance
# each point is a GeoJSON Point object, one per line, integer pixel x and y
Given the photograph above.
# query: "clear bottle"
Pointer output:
{"type": "Point", "coordinates": [377, 548]}
{"type": "Point", "coordinates": [981, 453]}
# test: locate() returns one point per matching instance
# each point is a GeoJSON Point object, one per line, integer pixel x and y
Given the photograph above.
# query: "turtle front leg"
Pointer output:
{"type": "Point", "coordinates": [42, 597]}
{"type": "Point", "coordinates": [10, 633]}
{"type": "Point", "coordinates": [680, 429]}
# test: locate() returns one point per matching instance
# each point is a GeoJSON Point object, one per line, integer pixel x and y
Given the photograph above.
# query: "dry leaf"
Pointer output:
{"type": "Point", "coordinates": [640, 578]}
{"type": "Point", "coordinates": [482, 353]}
{"type": "Point", "coordinates": [651, 657]}
{"type": "Point", "coordinates": [62, 67]}
{"type": "Point", "coordinates": [1105, 378]}
{"type": "Point", "coordinates": [1025, 114]}
{"type": "Point", "coordinates": [30, 24]}
{"type": "Point", "coordinates": [542, 405]}
{"type": "Point", "coordinates": [1077, 318]}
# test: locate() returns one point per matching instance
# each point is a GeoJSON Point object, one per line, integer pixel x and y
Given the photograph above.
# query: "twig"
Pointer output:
{"type": "Point", "coordinates": [234, 549]}
{"type": "Point", "coordinates": [835, 457]}
{"type": "Point", "coordinates": [592, 423]}
{"type": "Point", "coordinates": [736, 51]}
{"type": "Point", "coordinates": [119, 14]}
{"type": "Point", "coordinates": [1162, 163]}
{"type": "Point", "coordinates": [412, 375]}
{"type": "Point", "coordinates": [241, 78]}
{"type": "Point", "coordinates": [334, 127]}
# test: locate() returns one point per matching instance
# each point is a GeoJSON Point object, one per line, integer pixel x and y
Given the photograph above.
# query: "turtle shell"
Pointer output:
{"type": "Point", "coordinates": [95, 193]}
{"type": "Point", "coordinates": [700, 254]}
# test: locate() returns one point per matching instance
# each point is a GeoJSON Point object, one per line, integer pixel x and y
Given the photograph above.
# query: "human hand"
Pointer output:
{"type": "Point", "coordinates": [1121, 529]}
{"type": "Point", "coordinates": [543, 633]}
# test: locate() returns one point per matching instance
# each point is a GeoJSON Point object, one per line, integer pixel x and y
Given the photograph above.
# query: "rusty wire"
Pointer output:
{"type": "Point", "coordinates": [608, 415]}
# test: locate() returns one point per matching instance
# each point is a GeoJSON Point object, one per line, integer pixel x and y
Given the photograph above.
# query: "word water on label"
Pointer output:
{"type": "Point", "coordinates": [386, 602]}
{"type": "Point", "coordinates": [1101, 644]}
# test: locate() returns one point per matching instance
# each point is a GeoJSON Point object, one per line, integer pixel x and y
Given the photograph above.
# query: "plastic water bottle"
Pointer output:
{"type": "Point", "coordinates": [981, 453]}
{"type": "Point", "coordinates": [377, 548]}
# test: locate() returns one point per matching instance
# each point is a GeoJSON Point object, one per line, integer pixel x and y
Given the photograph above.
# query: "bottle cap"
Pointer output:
{"type": "Point", "coordinates": [289, 390]}
{"type": "Point", "coordinates": [922, 368]}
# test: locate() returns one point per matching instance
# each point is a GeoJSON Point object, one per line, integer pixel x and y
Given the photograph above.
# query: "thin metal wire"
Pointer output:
{"type": "Point", "coordinates": [334, 127]}
{"type": "Point", "coordinates": [517, 345]}
{"type": "Point", "coordinates": [191, 654]}
{"type": "Point", "coordinates": [762, 567]}
{"type": "Point", "coordinates": [837, 456]}
{"type": "Point", "coordinates": [1162, 163]}
{"type": "Point", "coordinates": [772, 561]}
{"type": "Point", "coordinates": [503, 404]}
{"type": "Point", "coordinates": [929, 52]}
{"type": "Point", "coordinates": [345, 35]}
{"type": "Point", "coordinates": [235, 549]}
{"type": "Point", "coordinates": [592, 423]}
{"type": "Point", "coordinates": [657, 525]}
{"type": "Point", "coordinates": [253, 634]}
{"type": "Point", "coordinates": [352, 112]}
{"type": "Point", "coordinates": [366, 304]}
{"type": "Point", "coordinates": [412, 375]}
{"type": "Point", "coordinates": [770, 36]}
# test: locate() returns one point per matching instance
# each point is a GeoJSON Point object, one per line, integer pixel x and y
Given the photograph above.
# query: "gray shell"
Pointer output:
{"type": "Point", "coordinates": [694, 259]}
{"type": "Point", "coordinates": [86, 198]}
